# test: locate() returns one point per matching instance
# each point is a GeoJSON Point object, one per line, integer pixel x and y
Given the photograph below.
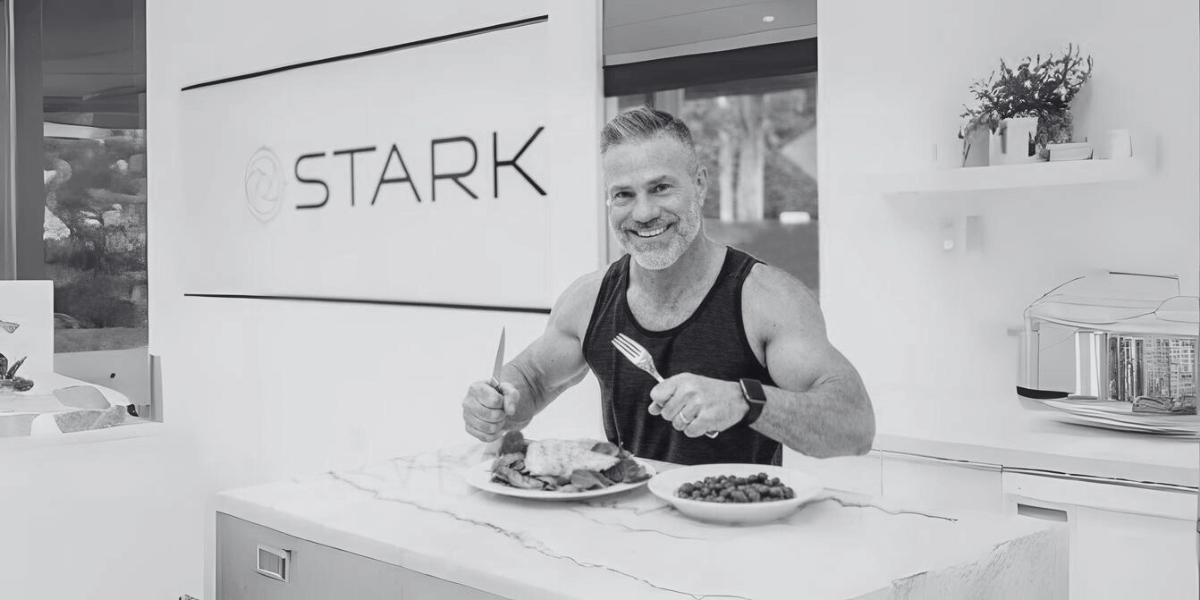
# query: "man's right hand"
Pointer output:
{"type": "Point", "coordinates": [487, 412]}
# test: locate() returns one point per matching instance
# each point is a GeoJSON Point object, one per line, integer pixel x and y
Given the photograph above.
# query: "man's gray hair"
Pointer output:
{"type": "Point", "coordinates": [643, 124]}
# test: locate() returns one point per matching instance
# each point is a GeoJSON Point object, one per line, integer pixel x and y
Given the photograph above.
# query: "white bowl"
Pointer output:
{"type": "Point", "coordinates": [665, 484]}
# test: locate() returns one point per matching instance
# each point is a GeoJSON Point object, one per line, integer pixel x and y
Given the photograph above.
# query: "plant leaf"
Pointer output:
{"type": "Point", "coordinates": [12, 371]}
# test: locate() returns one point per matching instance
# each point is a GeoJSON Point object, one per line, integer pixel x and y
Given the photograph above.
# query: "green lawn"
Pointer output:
{"type": "Point", "coordinates": [109, 338]}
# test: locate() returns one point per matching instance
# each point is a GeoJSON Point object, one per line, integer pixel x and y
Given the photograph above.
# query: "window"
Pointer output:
{"type": "Point", "coordinates": [94, 167]}
{"type": "Point", "coordinates": [74, 207]}
{"type": "Point", "coordinates": [95, 239]}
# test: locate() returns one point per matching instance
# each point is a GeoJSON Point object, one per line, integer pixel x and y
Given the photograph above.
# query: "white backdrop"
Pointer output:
{"type": "Point", "coordinates": [256, 149]}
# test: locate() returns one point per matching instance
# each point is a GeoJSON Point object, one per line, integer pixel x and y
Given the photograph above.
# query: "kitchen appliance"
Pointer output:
{"type": "Point", "coordinates": [1111, 336]}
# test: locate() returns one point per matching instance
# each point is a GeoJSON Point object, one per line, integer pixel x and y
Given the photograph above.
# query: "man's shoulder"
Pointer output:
{"type": "Point", "coordinates": [775, 283]}
{"type": "Point", "coordinates": [576, 302]}
{"type": "Point", "coordinates": [772, 291]}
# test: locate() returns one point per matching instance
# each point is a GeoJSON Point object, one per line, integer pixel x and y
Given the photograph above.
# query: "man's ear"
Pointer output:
{"type": "Point", "coordinates": [702, 183]}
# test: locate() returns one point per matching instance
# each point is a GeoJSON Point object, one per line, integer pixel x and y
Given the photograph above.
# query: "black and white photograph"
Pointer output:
{"type": "Point", "coordinates": [599, 299]}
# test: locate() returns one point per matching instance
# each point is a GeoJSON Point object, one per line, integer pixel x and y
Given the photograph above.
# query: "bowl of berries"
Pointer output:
{"type": "Point", "coordinates": [735, 493]}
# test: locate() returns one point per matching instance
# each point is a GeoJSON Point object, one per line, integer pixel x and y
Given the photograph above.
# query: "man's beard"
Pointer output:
{"type": "Point", "coordinates": [656, 256]}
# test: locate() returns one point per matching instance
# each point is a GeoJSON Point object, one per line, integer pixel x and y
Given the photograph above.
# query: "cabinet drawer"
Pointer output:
{"type": "Point", "coordinates": [1026, 489]}
{"type": "Point", "coordinates": [316, 572]}
{"type": "Point", "coordinates": [1126, 541]}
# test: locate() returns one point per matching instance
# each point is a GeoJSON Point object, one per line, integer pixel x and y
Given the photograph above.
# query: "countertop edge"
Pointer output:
{"type": "Point", "coordinates": [1016, 458]}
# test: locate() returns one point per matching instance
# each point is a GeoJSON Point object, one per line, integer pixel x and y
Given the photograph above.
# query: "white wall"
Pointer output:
{"type": "Point", "coordinates": [269, 389]}
{"type": "Point", "coordinates": [98, 517]}
{"type": "Point", "coordinates": [927, 328]}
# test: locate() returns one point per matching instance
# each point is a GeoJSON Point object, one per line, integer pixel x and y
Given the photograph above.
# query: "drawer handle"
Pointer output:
{"type": "Point", "coordinates": [273, 563]}
{"type": "Point", "coordinates": [1041, 512]}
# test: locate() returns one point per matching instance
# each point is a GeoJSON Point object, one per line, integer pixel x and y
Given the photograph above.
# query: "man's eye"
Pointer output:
{"type": "Point", "coordinates": [660, 188]}
{"type": "Point", "coordinates": [621, 199]}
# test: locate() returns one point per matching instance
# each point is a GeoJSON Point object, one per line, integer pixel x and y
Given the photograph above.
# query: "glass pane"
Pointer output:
{"type": "Point", "coordinates": [758, 139]}
{"type": "Point", "coordinates": [95, 175]}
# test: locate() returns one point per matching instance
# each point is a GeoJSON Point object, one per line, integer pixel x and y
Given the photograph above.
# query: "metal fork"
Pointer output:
{"type": "Point", "coordinates": [640, 357]}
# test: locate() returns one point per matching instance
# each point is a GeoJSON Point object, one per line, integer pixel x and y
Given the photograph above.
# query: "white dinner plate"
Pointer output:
{"type": "Point", "coordinates": [666, 484]}
{"type": "Point", "coordinates": [480, 476]}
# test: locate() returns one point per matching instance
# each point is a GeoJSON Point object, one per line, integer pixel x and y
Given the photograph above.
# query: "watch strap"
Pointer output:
{"type": "Point", "coordinates": [755, 397]}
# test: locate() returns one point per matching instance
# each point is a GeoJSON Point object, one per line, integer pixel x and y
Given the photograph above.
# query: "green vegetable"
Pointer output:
{"type": "Point", "coordinates": [626, 471]}
{"type": "Point", "coordinates": [512, 460]}
{"type": "Point", "coordinates": [723, 489]}
{"type": "Point", "coordinates": [586, 480]}
{"type": "Point", "coordinates": [516, 479]}
{"type": "Point", "coordinates": [12, 371]}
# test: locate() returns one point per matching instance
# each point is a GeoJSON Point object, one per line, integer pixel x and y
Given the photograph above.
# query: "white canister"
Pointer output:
{"type": "Point", "coordinates": [1118, 144]}
{"type": "Point", "coordinates": [1016, 142]}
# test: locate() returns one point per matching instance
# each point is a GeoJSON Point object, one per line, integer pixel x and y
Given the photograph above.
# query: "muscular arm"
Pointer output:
{"type": "Point", "coordinates": [554, 361]}
{"type": "Point", "coordinates": [821, 407]}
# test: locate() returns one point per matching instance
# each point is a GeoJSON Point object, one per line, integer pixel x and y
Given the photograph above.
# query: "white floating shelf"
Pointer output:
{"type": "Point", "coordinates": [1067, 172]}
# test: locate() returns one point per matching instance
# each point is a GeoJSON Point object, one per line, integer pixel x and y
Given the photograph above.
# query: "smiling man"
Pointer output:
{"type": "Point", "coordinates": [741, 344]}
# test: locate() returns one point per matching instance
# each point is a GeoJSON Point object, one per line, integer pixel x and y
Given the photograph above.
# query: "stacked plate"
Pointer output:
{"type": "Point", "coordinates": [1073, 151]}
{"type": "Point", "coordinates": [1111, 414]}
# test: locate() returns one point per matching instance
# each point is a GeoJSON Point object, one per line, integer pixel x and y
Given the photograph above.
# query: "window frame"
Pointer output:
{"type": "Point", "coordinates": [8, 238]}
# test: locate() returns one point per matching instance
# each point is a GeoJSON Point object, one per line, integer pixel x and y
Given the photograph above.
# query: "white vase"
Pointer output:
{"type": "Point", "coordinates": [976, 148]}
{"type": "Point", "coordinates": [1015, 146]}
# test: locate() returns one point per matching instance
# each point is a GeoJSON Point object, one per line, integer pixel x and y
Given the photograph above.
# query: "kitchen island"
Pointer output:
{"type": "Point", "coordinates": [411, 527]}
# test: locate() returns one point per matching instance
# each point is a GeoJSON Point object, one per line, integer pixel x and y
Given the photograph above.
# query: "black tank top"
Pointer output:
{"type": "Point", "coordinates": [711, 342]}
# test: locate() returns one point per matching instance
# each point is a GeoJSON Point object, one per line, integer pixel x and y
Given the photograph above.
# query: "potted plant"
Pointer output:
{"type": "Point", "coordinates": [9, 382]}
{"type": "Point", "coordinates": [1028, 104]}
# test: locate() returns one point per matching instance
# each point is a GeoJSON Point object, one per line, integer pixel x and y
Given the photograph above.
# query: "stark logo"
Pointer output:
{"type": "Point", "coordinates": [264, 185]}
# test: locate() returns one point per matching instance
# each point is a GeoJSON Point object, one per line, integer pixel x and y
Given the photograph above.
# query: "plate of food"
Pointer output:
{"type": "Point", "coordinates": [559, 469]}
{"type": "Point", "coordinates": [735, 493]}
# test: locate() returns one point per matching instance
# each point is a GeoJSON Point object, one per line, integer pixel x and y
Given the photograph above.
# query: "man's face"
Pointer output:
{"type": "Point", "coordinates": [654, 196]}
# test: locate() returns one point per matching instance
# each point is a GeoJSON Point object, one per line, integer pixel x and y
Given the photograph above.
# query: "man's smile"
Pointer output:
{"type": "Point", "coordinates": [649, 233]}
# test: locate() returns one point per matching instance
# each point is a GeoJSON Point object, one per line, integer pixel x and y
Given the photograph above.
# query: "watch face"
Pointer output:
{"type": "Point", "coordinates": [753, 391]}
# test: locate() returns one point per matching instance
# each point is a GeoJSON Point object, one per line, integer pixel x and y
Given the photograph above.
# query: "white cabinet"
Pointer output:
{"type": "Point", "coordinates": [314, 571]}
{"type": "Point", "coordinates": [1125, 541]}
{"type": "Point", "coordinates": [941, 484]}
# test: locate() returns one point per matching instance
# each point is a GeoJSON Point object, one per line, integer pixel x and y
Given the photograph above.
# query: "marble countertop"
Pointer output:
{"type": "Point", "coordinates": [1021, 434]}
{"type": "Point", "coordinates": [418, 512]}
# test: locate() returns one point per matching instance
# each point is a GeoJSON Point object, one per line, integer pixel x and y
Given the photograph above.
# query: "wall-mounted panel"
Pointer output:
{"type": "Point", "coordinates": [418, 174]}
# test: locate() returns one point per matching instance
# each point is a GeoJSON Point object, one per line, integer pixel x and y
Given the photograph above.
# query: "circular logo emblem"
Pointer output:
{"type": "Point", "coordinates": [264, 185]}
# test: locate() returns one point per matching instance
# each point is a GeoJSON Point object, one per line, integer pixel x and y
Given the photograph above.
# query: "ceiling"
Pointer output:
{"type": "Point", "coordinates": [649, 27]}
{"type": "Point", "coordinates": [93, 61]}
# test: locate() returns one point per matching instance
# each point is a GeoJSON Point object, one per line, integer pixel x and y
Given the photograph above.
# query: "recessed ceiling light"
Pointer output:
{"type": "Point", "coordinates": [768, 19]}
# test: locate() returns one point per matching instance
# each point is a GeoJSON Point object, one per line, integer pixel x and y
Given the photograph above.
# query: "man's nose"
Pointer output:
{"type": "Point", "coordinates": [645, 209]}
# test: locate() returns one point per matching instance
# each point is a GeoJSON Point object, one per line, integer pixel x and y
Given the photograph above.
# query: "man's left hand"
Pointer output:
{"type": "Point", "coordinates": [696, 405]}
